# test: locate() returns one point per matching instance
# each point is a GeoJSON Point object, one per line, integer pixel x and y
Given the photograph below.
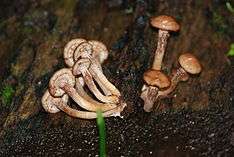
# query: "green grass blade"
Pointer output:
{"type": "Point", "coordinates": [102, 134]}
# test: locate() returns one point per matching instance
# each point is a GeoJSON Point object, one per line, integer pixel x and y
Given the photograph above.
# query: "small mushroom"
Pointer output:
{"type": "Point", "coordinates": [155, 80]}
{"type": "Point", "coordinates": [63, 81]}
{"type": "Point", "coordinates": [189, 65]}
{"type": "Point", "coordinates": [81, 67]}
{"type": "Point", "coordinates": [70, 49]}
{"type": "Point", "coordinates": [95, 50]}
{"type": "Point", "coordinates": [164, 24]}
{"type": "Point", "coordinates": [55, 104]}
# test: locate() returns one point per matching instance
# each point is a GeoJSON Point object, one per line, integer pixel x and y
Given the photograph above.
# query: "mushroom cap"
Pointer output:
{"type": "Point", "coordinates": [49, 102]}
{"type": "Point", "coordinates": [70, 49]}
{"type": "Point", "coordinates": [165, 22]}
{"type": "Point", "coordinates": [83, 50]}
{"type": "Point", "coordinates": [100, 51]}
{"type": "Point", "coordinates": [190, 63]}
{"type": "Point", "coordinates": [81, 65]}
{"type": "Point", "coordinates": [156, 78]}
{"type": "Point", "coordinates": [59, 80]}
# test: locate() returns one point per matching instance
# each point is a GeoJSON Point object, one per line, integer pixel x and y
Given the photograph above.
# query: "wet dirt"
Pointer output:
{"type": "Point", "coordinates": [197, 120]}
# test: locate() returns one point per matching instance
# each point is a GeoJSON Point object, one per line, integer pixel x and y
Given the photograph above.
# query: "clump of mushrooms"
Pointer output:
{"type": "Point", "coordinates": [84, 59]}
{"type": "Point", "coordinates": [158, 85]}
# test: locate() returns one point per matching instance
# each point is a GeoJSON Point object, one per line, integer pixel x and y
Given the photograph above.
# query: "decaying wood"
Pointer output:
{"type": "Point", "coordinates": [35, 41]}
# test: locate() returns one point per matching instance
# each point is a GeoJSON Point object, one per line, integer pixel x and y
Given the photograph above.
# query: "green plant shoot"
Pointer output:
{"type": "Point", "coordinates": [6, 94]}
{"type": "Point", "coordinates": [229, 7]}
{"type": "Point", "coordinates": [102, 133]}
{"type": "Point", "coordinates": [231, 50]}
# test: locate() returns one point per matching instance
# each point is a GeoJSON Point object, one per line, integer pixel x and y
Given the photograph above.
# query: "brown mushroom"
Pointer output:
{"type": "Point", "coordinates": [189, 65]}
{"type": "Point", "coordinates": [63, 81]}
{"type": "Point", "coordinates": [81, 67]}
{"type": "Point", "coordinates": [70, 49]}
{"type": "Point", "coordinates": [95, 50]}
{"type": "Point", "coordinates": [155, 80]}
{"type": "Point", "coordinates": [55, 104]}
{"type": "Point", "coordinates": [164, 24]}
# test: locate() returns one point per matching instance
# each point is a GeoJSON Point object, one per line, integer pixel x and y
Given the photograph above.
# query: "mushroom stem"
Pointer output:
{"type": "Point", "coordinates": [179, 75]}
{"type": "Point", "coordinates": [88, 115]}
{"type": "Point", "coordinates": [92, 86]}
{"type": "Point", "coordinates": [83, 102]}
{"type": "Point", "coordinates": [103, 87]}
{"type": "Point", "coordinates": [81, 92]}
{"type": "Point", "coordinates": [97, 74]}
{"type": "Point", "coordinates": [163, 35]}
{"type": "Point", "coordinates": [149, 94]}
{"type": "Point", "coordinates": [82, 66]}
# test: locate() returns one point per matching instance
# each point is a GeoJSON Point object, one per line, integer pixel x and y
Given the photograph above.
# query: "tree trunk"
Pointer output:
{"type": "Point", "coordinates": [33, 37]}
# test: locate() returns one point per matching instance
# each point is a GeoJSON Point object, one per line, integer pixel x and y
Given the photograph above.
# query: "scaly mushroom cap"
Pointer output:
{"type": "Point", "coordinates": [100, 51]}
{"type": "Point", "coordinates": [156, 78]}
{"type": "Point", "coordinates": [81, 65]}
{"type": "Point", "coordinates": [165, 22]}
{"type": "Point", "coordinates": [83, 50]}
{"type": "Point", "coordinates": [70, 49]}
{"type": "Point", "coordinates": [60, 79]}
{"type": "Point", "coordinates": [49, 102]}
{"type": "Point", "coordinates": [190, 63]}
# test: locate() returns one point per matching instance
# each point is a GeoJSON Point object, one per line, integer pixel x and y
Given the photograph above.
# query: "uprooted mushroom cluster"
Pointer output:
{"type": "Point", "coordinates": [157, 84]}
{"type": "Point", "coordinates": [84, 59]}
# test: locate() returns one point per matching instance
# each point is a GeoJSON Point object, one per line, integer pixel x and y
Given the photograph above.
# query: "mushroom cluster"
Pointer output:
{"type": "Point", "coordinates": [84, 59]}
{"type": "Point", "coordinates": [157, 84]}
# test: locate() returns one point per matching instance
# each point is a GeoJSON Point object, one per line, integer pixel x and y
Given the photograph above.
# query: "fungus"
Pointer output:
{"type": "Point", "coordinates": [63, 81]}
{"type": "Point", "coordinates": [189, 65]}
{"type": "Point", "coordinates": [55, 104]}
{"type": "Point", "coordinates": [97, 53]}
{"type": "Point", "coordinates": [94, 50]}
{"type": "Point", "coordinates": [164, 24]}
{"type": "Point", "coordinates": [155, 80]}
{"type": "Point", "coordinates": [81, 67]}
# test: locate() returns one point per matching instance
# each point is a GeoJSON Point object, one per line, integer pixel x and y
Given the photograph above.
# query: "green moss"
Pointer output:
{"type": "Point", "coordinates": [7, 94]}
{"type": "Point", "coordinates": [231, 50]}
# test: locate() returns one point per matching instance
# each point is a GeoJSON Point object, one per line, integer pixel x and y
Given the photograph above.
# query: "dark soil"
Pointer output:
{"type": "Point", "coordinates": [197, 120]}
